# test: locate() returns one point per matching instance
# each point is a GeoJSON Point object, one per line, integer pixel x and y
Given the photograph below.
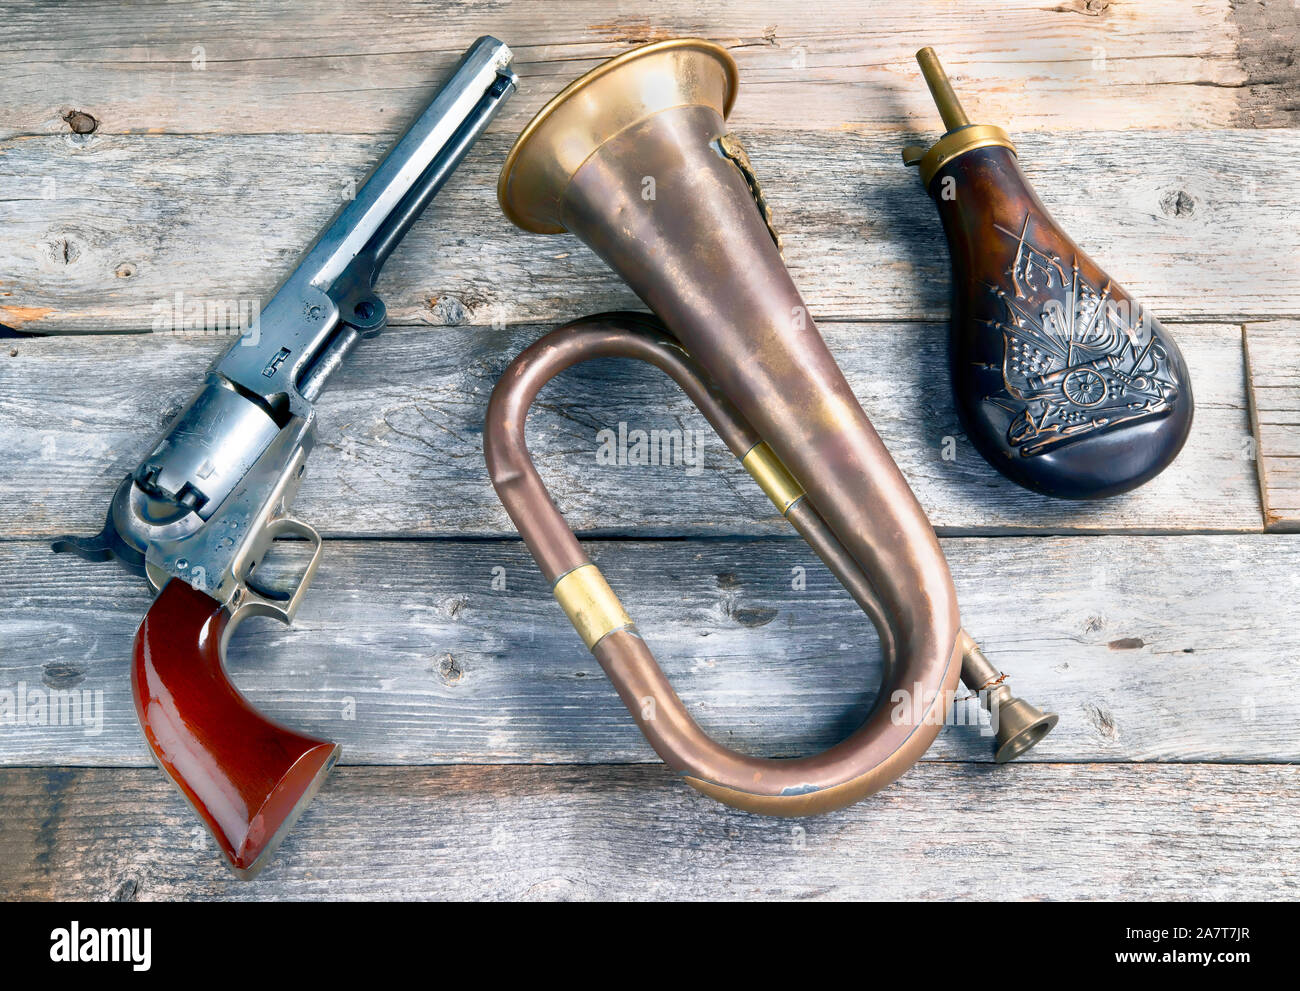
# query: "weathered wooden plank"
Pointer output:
{"type": "Point", "coordinates": [1197, 225]}
{"type": "Point", "coordinates": [944, 831]}
{"type": "Point", "coordinates": [1154, 648]}
{"type": "Point", "coordinates": [1268, 34]}
{"type": "Point", "coordinates": [1273, 376]}
{"type": "Point", "coordinates": [401, 432]}
{"type": "Point", "coordinates": [336, 67]}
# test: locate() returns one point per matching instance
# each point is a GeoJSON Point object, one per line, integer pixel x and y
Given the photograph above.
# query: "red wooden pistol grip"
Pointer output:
{"type": "Point", "coordinates": [247, 776]}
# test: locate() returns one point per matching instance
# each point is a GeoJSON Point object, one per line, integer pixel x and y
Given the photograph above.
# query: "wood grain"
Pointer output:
{"type": "Point", "coordinates": [401, 445]}
{"type": "Point", "coordinates": [1268, 34]}
{"type": "Point", "coordinates": [1152, 648]}
{"type": "Point", "coordinates": [1196, 225]}
{"type": "Point", "coordinates": [943, 831]}
{"type": "Point", "coordinates": [335, 67]}
{"type": "Point", "coordinates": [1273, 370]}
{"type": "Point", "coordinates": [196, 148]}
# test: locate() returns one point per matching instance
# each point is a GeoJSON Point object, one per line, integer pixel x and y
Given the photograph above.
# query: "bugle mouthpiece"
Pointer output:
{"type": "Point", "coordinates": [1020, 726]}
{"type": "Point", "coordinates": [1017, 725]}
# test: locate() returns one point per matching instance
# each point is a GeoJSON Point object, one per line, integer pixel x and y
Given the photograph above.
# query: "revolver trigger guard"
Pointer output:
{"type": "Point", "coordinates": [251, 602]}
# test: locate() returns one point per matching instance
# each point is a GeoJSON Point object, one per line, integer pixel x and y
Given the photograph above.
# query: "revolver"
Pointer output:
{"type": "Point", "coordinates": [203, 508]}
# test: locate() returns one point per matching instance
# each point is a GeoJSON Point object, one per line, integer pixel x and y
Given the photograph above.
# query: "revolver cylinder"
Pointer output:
{"type": "Point", "coordinates": [207, 449]}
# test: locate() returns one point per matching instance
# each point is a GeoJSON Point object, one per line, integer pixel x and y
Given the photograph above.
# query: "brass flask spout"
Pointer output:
{"type": "Point", "coordinates": [941, 89]}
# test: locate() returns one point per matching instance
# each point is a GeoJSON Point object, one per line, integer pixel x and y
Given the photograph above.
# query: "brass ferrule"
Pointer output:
{"type": "Point", "coordinates": [591, 605]}
{"type": "Point", "coordinates": [772, 476]}
{"type": "Point", "coordinates": [962, 136]}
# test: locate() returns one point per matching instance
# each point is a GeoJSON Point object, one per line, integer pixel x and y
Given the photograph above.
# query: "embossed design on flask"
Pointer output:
{"type": "Point", "coordinates": [1075, 360]}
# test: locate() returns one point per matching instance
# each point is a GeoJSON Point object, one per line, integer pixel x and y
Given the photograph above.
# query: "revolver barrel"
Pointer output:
{"type": "Point", "coordinates": [366, 230]}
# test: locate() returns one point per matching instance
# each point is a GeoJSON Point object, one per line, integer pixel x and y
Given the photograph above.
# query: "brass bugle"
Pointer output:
{"type": "Point", "coordinates": [635, 160]}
